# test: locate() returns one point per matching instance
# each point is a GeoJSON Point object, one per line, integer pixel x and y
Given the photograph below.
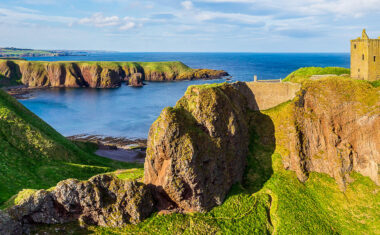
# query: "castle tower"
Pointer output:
{"type": "Point", "coordinates": [365, 58]}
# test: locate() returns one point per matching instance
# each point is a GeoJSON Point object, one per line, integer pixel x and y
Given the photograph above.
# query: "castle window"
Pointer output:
{"type": "Point", "coordinates": [359, 70]}
{"type": "Point", "coordinates": [374, 59]}
{"type": "Point", "coordinates": [363, 57]}
{"type": "Point", "coordinates": [355, 46]}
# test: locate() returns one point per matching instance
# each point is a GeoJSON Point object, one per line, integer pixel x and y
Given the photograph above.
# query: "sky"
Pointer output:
{"type": "Point", "coordinates": [188, 26]}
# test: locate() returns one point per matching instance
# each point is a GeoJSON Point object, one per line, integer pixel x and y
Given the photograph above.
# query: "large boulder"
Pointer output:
{"type": "Point", "coordinates": [104, 200]}
{"type": "Point", "coordinates": [198, 149]}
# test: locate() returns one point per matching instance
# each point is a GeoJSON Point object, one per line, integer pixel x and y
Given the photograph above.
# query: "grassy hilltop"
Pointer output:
{"type": "Point", "coordinates": [269, 200]}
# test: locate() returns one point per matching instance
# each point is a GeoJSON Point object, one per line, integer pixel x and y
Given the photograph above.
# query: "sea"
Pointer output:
{"type": "Point", "coordinates": [129, 112]}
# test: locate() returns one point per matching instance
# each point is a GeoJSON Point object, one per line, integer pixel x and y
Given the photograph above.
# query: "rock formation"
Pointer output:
{"type": "Point", "coordinates": [198, 149]}
{"type": "Point", "coordinates": [97, 74]}
{"type": "Point", "coordinates": [136, 80]}
{"type": "Point", "coordinates": [336, 130]}
{"type": "Point", "coordinates": [103, 200]}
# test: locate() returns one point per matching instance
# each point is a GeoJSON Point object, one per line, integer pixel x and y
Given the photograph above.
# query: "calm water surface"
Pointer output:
{"type": "Point", "coordinates": [129, 112]}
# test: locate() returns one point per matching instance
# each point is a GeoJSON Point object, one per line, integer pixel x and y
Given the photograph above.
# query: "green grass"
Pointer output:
{"type": "Point", "coordinates": [302, 74]}
{"type": "Point", "coordinates": [375, 83]}
{"type": "Point", "coordinates": [33, 155]}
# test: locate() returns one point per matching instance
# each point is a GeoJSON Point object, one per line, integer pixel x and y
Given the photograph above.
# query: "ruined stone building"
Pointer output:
{"type": "Point", "coordinates": [365, 58]}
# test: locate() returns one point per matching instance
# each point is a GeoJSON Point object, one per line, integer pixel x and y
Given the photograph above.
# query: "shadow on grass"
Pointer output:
{"type": "Point", "coordinates": [262, 144]}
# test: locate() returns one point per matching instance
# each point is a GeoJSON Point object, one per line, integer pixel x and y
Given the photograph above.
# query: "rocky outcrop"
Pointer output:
{"type": "Point", "coordinates": [97, 74]}
{"type": "Point", "coordinates": [336, 130]}
{"type": "Point", "coordinates": [136, 80]}
{"type": "Point", "coordinates": [198, 149]}
{"type": "Point", "coordinates": [103, 200]}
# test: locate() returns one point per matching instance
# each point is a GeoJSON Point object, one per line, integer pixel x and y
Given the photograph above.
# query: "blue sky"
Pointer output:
{"type": "Point", "coordinates": [196, 25]}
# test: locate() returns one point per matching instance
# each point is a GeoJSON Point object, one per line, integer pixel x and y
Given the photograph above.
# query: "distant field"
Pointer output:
{"type": "Point", "coordinates": [17, 52]}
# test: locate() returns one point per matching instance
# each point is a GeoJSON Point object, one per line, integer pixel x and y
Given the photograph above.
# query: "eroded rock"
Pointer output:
{"type": "Point", "coordinates": [136, 80]}
{"type": "Point", "coordinates": [336, 126]}
{"type": "Point", "coordinates": [103, 200]}
{"type": "Point", "coordinates": [198, 149]}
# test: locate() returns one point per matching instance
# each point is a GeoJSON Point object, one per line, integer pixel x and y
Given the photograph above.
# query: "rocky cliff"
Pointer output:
{"type": "Point", "coordinates": [97, 74]}
{"type": "Point", "coordinates": [335, 130]}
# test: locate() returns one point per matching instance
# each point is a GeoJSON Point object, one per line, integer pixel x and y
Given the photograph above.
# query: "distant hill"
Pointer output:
{"type": "Point", "coordinates": [19, 52]}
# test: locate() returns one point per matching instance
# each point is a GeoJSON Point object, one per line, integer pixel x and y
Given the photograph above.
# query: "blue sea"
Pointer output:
{"type": "Point", "coordinates": [129, 112]}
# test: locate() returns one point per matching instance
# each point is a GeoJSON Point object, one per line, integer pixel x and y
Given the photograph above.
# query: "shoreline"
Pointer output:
{"type": "Point", "coordinates": [116, 148]}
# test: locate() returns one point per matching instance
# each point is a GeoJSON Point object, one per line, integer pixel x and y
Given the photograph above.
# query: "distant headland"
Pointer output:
{"type": "Point", "coordinates": [37, 74]}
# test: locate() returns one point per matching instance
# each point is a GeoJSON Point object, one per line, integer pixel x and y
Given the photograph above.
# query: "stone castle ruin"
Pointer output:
{"type": "Point", "coordinates": [365, 58]}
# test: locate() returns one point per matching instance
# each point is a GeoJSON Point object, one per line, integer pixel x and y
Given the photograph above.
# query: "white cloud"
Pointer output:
{"type": "Point", "coordinates": [127, 26]}
{"type": "Point", "coordinates": [98, 20]}
{"type": "Point", "coordinates": [101, 21]}
{"type": "Point", "coordinates": [188, 5]}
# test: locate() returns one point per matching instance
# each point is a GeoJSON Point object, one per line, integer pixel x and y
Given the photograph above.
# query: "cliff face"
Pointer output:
{"type": "Point", "coordinates": [198, 149]}
{"type": "Point", "coordinates": [96, 74]}
{"type": "Point", "coordinates": [336, 130]}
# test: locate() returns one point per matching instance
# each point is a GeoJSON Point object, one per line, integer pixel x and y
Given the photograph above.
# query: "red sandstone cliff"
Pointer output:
{"type": "Point", "coordinates": [97, 74]}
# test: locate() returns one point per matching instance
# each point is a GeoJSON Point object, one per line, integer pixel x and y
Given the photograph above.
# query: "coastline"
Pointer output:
{"type": "Point", "coordinates": [20, 92]}
{"type": "Point", "coordinates": [115, 148]}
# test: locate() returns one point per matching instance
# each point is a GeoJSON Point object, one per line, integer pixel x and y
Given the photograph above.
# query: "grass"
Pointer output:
{"type": "Point", "coordinates": [303, 74]}
{"type": "Point", "coordinates": [33, 155]}
{"type": "Point", "coordinates": [375, 83]}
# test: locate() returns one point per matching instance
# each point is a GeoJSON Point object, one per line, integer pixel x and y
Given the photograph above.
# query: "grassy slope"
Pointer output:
{"type": "Point", "coordinates": [305, 73]}
{"type": "Point", "coordinates": [33, 155]}
{"type": "Point", "coordinates": [271, 199]}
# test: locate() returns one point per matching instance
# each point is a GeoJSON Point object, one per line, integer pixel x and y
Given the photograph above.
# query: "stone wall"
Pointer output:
{"type": "Point", "coordinates": [265, 95]}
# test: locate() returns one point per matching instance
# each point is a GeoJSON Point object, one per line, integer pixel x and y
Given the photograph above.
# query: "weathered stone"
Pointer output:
{"type": "Point", "coordinates": [198, 149]}
{"type": "Point", "coordinates": [9, 226]}
{"type": "Point", "coordinates": [103, 200]}
{"type": "Point", "coordinates": [266, 95]}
